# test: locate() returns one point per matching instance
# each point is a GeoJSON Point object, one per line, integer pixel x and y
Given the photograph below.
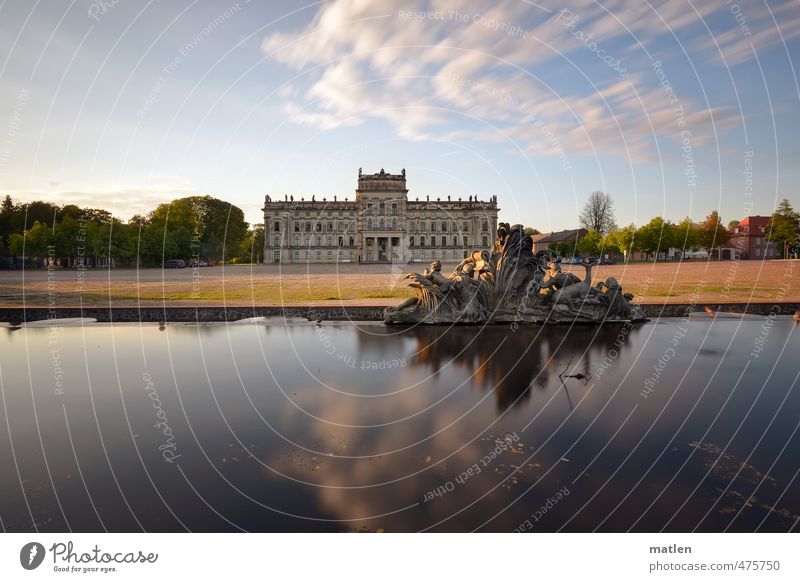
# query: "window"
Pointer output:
{"type": "Point", "coordinates": [412, 227]}
{"type": "Point", "coordinates": [308, 240]}
{"type": "Point", "coordinates": [276, 241]}
{"type": "Point", "coordinates": [422, 241]}
{"type": "Point", "coordinates": [341, 241]}
{"type": "Point", "coordinates": [433, 227]}
{"type": "Point", "coordinates": [394, 224]}
{"type": "Point", "coordinates": [382, 208]}
{"type": "Point", "coordinates": [295, 255]}
{"type": "Point", "coordinates": [465, 226]}
{"type": "Point", "coordinates": [351, 241]}
{"type": "Point", "coordinates": [318, 227]}
{"type": "Point", "coordinates": [297, 240]}
{"type": "Point", "coordinates": [485, 226]}
{"type": "Point", "coordinates": [319, 241]}
{"type": "Point", "coordinates": [296, 226]}
{"type": "Point", "coordinates": [444, 227]}
{"type": "Point", "coordinates": [277, 226]}
{"type": "Point", "coordinates": [382, 223]}
{"type": "Point", "coordinates": [330, 241]}
{"type": "Point", "coordinates": [485, 241]}
{"type": "Point", "coordinates": [455, 242]}
{"type": "Point", "coordinates": [422, 226]}
{"type": "Point", "coordinates": [330, 227]}
{"type": "Point", "coordinates": [330, 255]}
{"type": "Point", "coordinates": [369, 224]}
{"type": "Point", "coordinates": [394, 207]}
{"type": "Point", "coordinates": [465, 241]}
{"type": "Point", "coordinates": [369, 207]}
{"type": "Point", "coordinates": [319, 255]}
{"type": "Point", "coordinates": [308, 227]}
{"type": "Point", "coordinates": [411, 241]}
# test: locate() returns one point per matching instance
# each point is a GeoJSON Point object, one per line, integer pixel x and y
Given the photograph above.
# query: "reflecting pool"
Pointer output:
{"type": "Point", "coordinates": [675, 425]}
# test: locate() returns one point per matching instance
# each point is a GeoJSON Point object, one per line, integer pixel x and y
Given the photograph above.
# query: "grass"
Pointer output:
{"type": "Point", "coordinates": [268, 285]}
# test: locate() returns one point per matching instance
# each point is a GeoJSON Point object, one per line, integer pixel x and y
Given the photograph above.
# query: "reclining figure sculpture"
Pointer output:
{"type": "Point", "coordinates": [512, 284]}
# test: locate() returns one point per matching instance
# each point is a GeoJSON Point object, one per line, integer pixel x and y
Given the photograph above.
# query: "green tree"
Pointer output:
{"type": "Point", "coordinates": [782, 228]}
{"type": "Point", "coordinates": [252, 250]}
{"type": "Point", "coordinates": [620, 240]}
{"type": "Point", "coordinates": [590, 243]}
{"type": "Point", "coordinates": [195, 225]}
{"type": "Point", "coordinates": [732, 225]}
{"type": "Point", "coordinates": [655, 237]}
{"type": "Point", "coordinates": [530, 231]}
{"type": "Point", "coordinates": [115, 240]}
{"type": "Point", "coordinates": [7, 211]}
{"type": "Point", "coordinates": [711, 233]}
{"type": "Point", "coordinates": [687, 235]}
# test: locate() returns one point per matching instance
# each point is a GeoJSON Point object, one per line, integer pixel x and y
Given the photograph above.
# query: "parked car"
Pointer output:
{"type": "Point", "coordinates": [199, 264]}
{"type": "Point", "coordinates": [608, 262]}
{"type": "Point", "coordinates": [174, 264]}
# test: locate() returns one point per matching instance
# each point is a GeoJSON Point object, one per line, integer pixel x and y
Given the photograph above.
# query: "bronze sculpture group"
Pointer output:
{"type": "Point", "coordinates": [512, 284]}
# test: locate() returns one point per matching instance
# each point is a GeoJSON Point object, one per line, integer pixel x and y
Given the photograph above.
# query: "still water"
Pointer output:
{"type": "Point", "coordinates": [672, 425]}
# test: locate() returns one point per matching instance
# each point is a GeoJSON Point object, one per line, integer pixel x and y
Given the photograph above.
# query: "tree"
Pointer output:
{"type": "Point", "coordinates": [590, 243]}
{"type": "Point", "coordinates": [252, 250]}
{"type": "Point", "coordinates": [654, 237]}
{"type": "Point", "coordinates": [620, 240]}
{"type": "Point", "coordinates": [687, 235]}
{"type": "Point", "coordinates": [732, 225]}
{"type": "Point", "coordinates": [782, 227]}
{"type": "Point", "coordinates": [530, 231]}
{"type": "Point", "coordinates": [194, 226]}
{"type": "Point", "coordinates": [598, 213]}
{"type": "Point", "coordinates": [711, 233]}
{"type": "Point", "coordinates": [7, 210]}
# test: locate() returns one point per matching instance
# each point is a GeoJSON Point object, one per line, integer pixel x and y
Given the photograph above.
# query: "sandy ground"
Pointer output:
{"type": "Point", "coordinates": [729, 281]}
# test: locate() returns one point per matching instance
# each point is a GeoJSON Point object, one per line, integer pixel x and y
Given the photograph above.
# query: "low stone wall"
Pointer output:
{"type": "Point", "coordinates": [17, 315]}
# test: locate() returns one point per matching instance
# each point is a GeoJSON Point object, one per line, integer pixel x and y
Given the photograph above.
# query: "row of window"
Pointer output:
{"type": "Point", "coordinates": [414, 226]}
{"type": "Point", "coordinates": [371, 256]}
{"type": "Point", "coordinates": [381, 208]}
{"type": "Point", "coordinates": [442, 241]}
{"type": "Point", "coordinates": [349, 241]}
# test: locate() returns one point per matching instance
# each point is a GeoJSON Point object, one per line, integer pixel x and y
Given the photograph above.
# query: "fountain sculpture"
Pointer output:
{"type": "Point", "coordinates": [511, 284]}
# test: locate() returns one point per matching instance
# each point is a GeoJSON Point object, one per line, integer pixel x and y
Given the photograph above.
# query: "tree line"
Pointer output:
{"type": "Point", "coordinates": [194, 228]}
{"type": "Point", "coordinates": [659, 235]}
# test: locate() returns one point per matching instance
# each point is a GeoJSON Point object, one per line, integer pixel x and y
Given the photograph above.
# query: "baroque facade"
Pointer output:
{"type": "Point", "coordinates": [382, 225]}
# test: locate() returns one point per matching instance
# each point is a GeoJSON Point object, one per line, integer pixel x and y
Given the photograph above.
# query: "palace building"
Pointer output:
{"type": "Point", "coordinates": [381, 225]}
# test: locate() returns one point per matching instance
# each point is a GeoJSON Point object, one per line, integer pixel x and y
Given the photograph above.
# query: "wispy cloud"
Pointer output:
{"type": "Point", "coordinates": [461, 69]}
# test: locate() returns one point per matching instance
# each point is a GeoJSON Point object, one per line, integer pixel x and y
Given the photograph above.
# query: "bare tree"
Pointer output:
{"type": "Point", "coordinates": [598, 213]}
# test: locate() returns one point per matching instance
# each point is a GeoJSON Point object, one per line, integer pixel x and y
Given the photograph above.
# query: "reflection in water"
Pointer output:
{"type": "Point", "coordinates": [512, 362]}
{"type": "Point", "coordinates": [342, 427]}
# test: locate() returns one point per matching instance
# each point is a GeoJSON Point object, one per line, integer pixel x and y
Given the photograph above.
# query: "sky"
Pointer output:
{"type": "Point", "coordinates": [675, 108]}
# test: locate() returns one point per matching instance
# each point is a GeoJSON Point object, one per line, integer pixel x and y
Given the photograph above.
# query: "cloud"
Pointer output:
{"type": "Point", "coordinates": [464, 70]}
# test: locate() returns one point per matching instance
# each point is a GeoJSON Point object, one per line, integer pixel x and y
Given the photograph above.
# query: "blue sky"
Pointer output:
{"type": "Point", "coordinates": [665, 105]}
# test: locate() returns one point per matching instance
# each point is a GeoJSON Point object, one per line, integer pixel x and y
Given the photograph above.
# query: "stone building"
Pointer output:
{"type": "Point", "coordinates": [381, 225]}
